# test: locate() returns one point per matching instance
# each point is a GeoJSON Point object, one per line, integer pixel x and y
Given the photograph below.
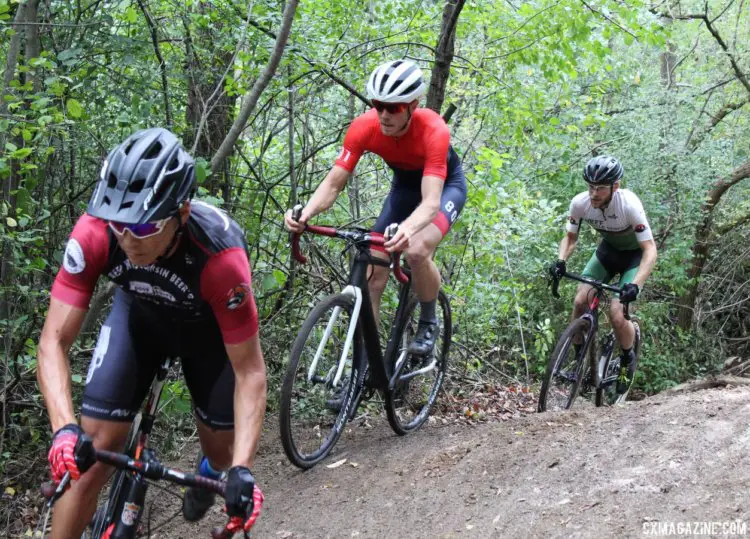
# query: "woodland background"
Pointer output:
{"type": "Point", "coordinates": [262, 92]}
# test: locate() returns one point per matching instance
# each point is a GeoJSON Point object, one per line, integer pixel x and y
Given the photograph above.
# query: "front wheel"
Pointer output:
{"type": "Point", "coordinates": [606, 394]}
{"type": "Point", "coordinates": [107, 513]}
{"type": "Point", "coordinates": [566, 369]}
{"type": "Point", "coordinates": [419, 379]}
{"type": "Point", "coordinates": [314, 408]}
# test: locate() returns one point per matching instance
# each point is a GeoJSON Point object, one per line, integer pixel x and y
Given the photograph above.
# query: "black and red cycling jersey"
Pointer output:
{"type": "Point", "coordinates": [207, 276]}
{"type": "Point", "coordinates": [424, 147]}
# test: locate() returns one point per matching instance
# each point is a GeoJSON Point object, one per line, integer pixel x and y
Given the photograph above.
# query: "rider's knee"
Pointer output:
{"type": "Point", "coordinates": [378, 278]}
{"type": "Point", "coordinates": [616, 315]}
{"type": "Point", "coordinates": [418, 254]}
{"type": "Point", "coordinates": [107, 435]}
{"type": "Point", "coordinates": [580, 301]}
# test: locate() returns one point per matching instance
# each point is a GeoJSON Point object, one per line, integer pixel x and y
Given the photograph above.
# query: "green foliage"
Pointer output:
{"type": "Point", "coordinates": [539, 85]}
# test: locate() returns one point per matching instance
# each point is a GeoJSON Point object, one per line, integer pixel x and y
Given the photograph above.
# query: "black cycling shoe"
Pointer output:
{"type": "Point", "coordinates": [424, 340]}
{"type": "Point", "coordinates": [197, 501]}
{"type": "Point", "coordinates": [627, 372]}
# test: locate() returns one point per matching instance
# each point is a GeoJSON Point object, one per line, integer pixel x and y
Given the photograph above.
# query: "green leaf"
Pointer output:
{"type": "Point", "coordinates": [202, 169]}
{"type": "Point", "coordinates": [74, 108]}
{"type": "Point", "coordinates": [77, 378]}
{"type": "Point", "coordinates": [20, 154]}
{"type": "Point", "coordinates": [11, 222]}
{"type": "Point", "coordinates": [131, 15]}
{"type": "Point", "coordinates": [269, 282]}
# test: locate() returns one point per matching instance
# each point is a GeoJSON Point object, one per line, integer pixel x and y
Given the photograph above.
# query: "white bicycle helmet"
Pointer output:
{"type": "Point", "coordinates": [399, 81]}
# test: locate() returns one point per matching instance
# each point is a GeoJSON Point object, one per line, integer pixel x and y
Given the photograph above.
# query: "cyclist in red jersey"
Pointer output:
{"type": "Point", "coordinates": [428, 188]}
{"type": "Point", "coordinates": [184, 279]}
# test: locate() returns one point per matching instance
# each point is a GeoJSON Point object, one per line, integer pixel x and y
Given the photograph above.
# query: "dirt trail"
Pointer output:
{"type": "Point", "coordinates": [586, 473]}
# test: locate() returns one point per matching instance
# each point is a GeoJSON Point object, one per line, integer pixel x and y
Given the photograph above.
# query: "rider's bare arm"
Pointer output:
{"type": "Point", "coordinates": [249, 398]}
{"type": "Point", "coordinates": [61, 327]}
{"type": "Point", "coordinates": [327, 192]}
{"type": "Point", "coordinates": [567, 245]}
{"type": "Point", "coordinates": [647, 262]}
{"type": "Point", "coordinates": [425, 213]}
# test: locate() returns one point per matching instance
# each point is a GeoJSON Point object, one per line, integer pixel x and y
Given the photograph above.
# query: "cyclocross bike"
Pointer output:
{"type": "Point", "coordinates": [568, 373]}
{"type": "Point", "coordinates": [339, 343]}
{"type": "Point", "coordinates": [120, 515]}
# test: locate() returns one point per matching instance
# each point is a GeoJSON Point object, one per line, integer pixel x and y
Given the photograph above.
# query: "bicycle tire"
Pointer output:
{"type": "Point", "coordinates": [606, 395]}
{"type": "Point", "coordinates": [559, 355]}
{"type": "Point", "coordinates": [106, 513]}
{"type": "Point", "coordinates": [322, 420]}
{"type": "Point", "coordinates": [396, 401]}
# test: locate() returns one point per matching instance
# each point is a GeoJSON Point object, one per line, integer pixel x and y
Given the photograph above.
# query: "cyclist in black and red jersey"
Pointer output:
{"type": "Point", "coordinates": [184, 290]}
{"type": "Point", "coordinates": [428, 189]}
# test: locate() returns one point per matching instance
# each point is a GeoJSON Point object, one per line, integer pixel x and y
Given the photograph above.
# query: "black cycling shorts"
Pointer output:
{"type": "Point", "coordinates": [133, 343]}
{"type": "Point", "coordinates": [406, 195]}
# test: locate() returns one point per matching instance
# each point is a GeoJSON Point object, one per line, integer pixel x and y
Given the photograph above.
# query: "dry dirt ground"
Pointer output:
{"type": "Point", "coordinates": [618, 472]}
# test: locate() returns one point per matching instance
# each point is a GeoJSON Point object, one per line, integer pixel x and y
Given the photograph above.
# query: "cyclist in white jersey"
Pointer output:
{"type": "Point", "coordinates": [627, 248]}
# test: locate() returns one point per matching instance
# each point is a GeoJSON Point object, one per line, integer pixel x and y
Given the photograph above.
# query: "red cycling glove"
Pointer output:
{"type": "Point", "coordinates": [72, 451]}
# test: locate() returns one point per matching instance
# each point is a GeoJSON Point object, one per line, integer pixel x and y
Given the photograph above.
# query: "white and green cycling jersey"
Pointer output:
{"type": "Point", "coordinates": [622, 223]}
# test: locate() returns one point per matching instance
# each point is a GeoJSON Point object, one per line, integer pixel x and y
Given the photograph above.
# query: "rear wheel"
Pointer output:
{"type": "Point", "coordinates": [419, 377]}
{"type": "Point", "coordinates": [310, 423]}
{"type": "Point", "coordinates": [566, 370]}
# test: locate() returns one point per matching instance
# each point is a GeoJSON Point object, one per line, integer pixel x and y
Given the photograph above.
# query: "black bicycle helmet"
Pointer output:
{"type": "Point", "coordinates": [602, 169]}
{"type": "Point", "coordinates": [146, 178]}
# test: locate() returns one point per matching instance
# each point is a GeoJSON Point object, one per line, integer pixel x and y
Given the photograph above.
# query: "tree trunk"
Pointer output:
{"type": "Point", "coordinates": [701, 246]}
{"type": "Point", "coordinates": [444, 55]}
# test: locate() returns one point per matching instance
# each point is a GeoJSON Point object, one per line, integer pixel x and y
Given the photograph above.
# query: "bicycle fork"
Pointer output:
{"type": "Point", "coordinates": [355, 293]}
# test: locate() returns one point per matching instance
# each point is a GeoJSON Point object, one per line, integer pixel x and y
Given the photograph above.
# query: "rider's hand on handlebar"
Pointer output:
{"type": "Point", "coordinates": [72, 451]}
{"type": "Point", "coordinates": [629, 293]}
{"type": "Point", "coordinates": [243, 497]}
{"type": "Point", "coordinates": [557, 269]}
{"type": "Point", "coordinates": [297, 227]}
{"type": "Point", "coordinates": [400, 241]}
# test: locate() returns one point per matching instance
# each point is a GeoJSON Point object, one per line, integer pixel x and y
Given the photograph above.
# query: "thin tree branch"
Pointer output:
{"type": "Point", "coordinates": [610, 20]}
{"type": "Point", "coordinates": [257, 89]}
{"type": "Point", "coordinates": [714, 32]}
{"type": "Point", "coordinates": [162, 63]}
{"type": "Point", "coordinates": [295, 50]}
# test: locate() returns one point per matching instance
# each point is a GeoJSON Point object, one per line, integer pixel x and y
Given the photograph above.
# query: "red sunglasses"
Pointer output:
{"type": "Point", "coordinates": [391, 108]}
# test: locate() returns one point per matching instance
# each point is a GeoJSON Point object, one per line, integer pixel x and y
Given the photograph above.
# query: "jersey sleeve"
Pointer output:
{"type": "Point", "coordinates": [354, 143]}
{"type": "Point", "coordinates": [436, 158]}
{"type": "Point", "coordinates": [84, 260]}
{"type": "Point", "coordinates": [226, 284]}
{"type": "Point", "coordinates": [637, 219]}
{"type": "Point", "coordinates": [575, 215]}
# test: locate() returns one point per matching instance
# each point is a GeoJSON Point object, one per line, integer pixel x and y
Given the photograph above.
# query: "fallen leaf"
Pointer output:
{"type": "Point", "coordinates": [336, 464]}
{"type": "Point", "coordinates": [353, 464]}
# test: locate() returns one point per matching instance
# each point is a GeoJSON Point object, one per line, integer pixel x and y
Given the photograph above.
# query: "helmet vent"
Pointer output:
{"type": "Point", "coordinates": [153, 151]}
{"type": "Point", "coordinates": [125, 205]}
{"type": "Point", "coordinates": [411, 88]}
{"type": "Point", "coordinates": [173, 164]}
{"type": "Point", "coordinates": [128, 147]}
{"type": "Point", "coordinates": [111, 181]}
{"type": "Point", "coordinates": [136, 186]}
{"type": "Point", "coordinates": [107, 200]}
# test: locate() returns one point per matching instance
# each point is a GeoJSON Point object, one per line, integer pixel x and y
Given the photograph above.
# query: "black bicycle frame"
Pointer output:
{"type": "Point", "coordinates": [383, 376]}
{"type": "Point", "coordinates": [592, 312]}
